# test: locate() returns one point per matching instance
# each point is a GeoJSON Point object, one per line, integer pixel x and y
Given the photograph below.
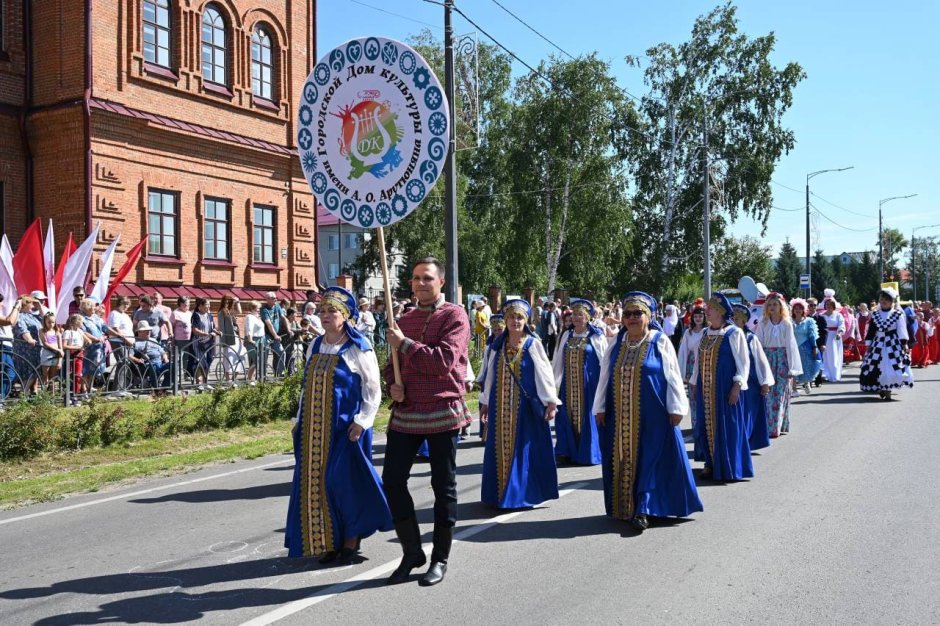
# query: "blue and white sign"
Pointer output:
{"type": "Point", "coordinates": [372, 131]}
{"type": "Point", "coordinates": [804, 281]}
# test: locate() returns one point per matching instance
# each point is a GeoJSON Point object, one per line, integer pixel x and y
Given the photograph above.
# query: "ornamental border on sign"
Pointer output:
{"type": "Point", "coordinates": [374, 61]}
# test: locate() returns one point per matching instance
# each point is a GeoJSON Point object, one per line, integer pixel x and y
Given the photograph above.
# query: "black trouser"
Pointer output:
{"type": "Point", "coordinates": [400, 451]}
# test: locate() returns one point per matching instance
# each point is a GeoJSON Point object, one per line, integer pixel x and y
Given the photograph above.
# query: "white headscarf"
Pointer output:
{"type": "Point", "coordinates": [670, 320]}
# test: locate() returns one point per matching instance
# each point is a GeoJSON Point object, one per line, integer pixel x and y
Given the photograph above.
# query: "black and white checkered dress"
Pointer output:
{"type": "Point", "coordinates": [886, 366]}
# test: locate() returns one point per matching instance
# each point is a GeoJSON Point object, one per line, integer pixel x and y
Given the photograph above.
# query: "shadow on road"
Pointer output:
{"type": "Point", "coordinates": [174, 604]}
{"type": "Point", "coordinates": [257, 492]}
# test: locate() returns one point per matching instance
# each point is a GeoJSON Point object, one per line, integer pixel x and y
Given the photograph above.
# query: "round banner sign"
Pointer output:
{"type": "Point", "coordinates": [372, 132]}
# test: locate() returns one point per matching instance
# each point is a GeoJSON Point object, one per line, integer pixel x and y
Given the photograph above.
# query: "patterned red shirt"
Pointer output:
{"type": "Point", "coordinates": [433, 361]}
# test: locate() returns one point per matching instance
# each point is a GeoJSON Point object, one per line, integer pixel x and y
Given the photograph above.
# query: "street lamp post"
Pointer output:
{"type": "Point", "coordinates": [881, 237]}
{"type": "Point", "coordinates": [914, 261]}
{"type": "Point", "coordinates": [808, 177]}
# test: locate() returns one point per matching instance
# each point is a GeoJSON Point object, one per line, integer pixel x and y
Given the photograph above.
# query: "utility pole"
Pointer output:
{"type": "Point", "coordinates": [450, 165]}
{"type": "Point", "coordinates": [809, 290]}
{"type": "Point", "coordinates": [706, 226]}
{"type": "Point", "coordinates": [881, 234]}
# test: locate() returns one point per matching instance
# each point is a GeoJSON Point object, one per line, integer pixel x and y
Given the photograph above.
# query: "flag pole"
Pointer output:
{"type": "Point", "coordinates": [389, 308]}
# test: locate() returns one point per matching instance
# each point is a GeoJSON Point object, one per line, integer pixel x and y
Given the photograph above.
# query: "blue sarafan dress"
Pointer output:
{"type": "Point", "coordinates": [721, 435]}
{"type": "Point", "coordinates": [754, 403]}
{"type": "Point", "coordinates": [645, 466]}
{"type": "Point", "coordinates": [806, 333]}
{"type": "Point", "coordinates": [336, 492]}
{"type": "Point", "coordinates": [577, 368]}
{"type": "Point", "coordinates": [518, 459]}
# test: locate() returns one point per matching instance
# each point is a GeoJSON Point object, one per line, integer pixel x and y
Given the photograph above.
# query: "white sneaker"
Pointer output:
{"type": "Point", "coordinates": [796, 393]}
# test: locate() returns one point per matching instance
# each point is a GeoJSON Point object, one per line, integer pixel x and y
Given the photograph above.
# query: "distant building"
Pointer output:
{"type": "Point", "coordinates": [340, 246]}
{"type": "Point", "coordinates": [163, 118]}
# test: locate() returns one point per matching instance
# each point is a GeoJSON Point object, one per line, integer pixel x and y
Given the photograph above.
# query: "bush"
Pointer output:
{"type": "Point", "coordinates": [27, 428]}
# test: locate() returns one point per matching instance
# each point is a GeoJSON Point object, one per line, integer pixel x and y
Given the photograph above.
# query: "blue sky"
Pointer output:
{"type": "Point", "coordinates": [870, 99]}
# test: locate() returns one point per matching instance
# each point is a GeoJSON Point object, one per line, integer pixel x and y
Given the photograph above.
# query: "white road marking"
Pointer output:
{"type": "Point", "coordinates": [142, 492]}
{"type": "Point", "coordinates": [382, 570]}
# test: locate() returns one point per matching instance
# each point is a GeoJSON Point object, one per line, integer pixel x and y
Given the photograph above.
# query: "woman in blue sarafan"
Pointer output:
{"type": "Point", "coordinates": [519, 401]}
{"type": "Point", "coordinates": [577, 369]}
{"type": "Point", "coordinates": [759, 381]}
{"type": "Point", "coordinates": [639, 404]}
{"type": "Point", "coordinates": [337, 498]}
{"type": "Point", "coordinates": [719, 375]}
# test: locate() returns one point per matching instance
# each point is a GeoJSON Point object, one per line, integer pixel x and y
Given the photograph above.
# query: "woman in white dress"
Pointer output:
{"type": "Point", "coordinates": [835, 327]}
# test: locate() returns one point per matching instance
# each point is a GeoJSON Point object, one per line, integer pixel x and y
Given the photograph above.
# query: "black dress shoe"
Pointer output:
{"type": "Point", "coordinates": [328, 557]}
{"type": "Point", "coordinates": [347, 556]}
{"type": "Point", "coordinates": [408, 563]}
{"type": "Point", "coordinates": [435, 574]}
{"type": "Point", "coordinates": [640, 523]}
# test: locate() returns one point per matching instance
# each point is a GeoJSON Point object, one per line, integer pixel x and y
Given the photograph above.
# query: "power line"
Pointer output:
{"type": "Point", "coordinates": [404, 17]}
{"type": "Point", "coordinates": [785, 186]}
{"type": "Point", "coordinates": [524, 23]}
{"type": "Point", "coordinates": [832, 221]}
{"type": "Point", "coordinates": [841, 207]}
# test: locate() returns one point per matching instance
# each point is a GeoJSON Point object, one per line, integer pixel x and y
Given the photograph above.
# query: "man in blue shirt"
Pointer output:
{"type": "Point", "coordinates": [272, 315]}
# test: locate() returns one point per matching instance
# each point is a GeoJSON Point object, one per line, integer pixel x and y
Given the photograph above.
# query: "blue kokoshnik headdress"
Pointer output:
{"type": "Point", "coordinates": [739, 310]}
{"type": "Point", "coordinates": [586, 307]}
{"type": "Point", "coordinates": [720, 301]}
{"type": "Point", "coordinates": [513, 306]}
{"type": "Point", "coordinates": [644, 302]}
{"type": "Point", "coordinates": [344, 302]}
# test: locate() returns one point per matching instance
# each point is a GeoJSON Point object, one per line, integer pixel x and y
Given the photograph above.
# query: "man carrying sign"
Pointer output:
{"type": "Point", "coordinates": [431, 340]}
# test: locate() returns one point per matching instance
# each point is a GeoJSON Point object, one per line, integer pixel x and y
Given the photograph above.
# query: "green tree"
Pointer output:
{"type": "Point", "coordinates": [865, 278]}
{"type": "Point", "coordinates": [822, 276]}
{"type": "Point", "coordinates": [725, 78]}
{"type": "Point", "coordinates": [787, 274]}
{"type": "Point", "coordinates": [894, 245]}
{"type": "Point", "coordinates": [559, 142]}
{"type": "Point", "coordinates": [735, 258]}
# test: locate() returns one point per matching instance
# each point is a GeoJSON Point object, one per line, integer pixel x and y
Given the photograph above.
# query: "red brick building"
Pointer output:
{"type": "Point", "coordinates": [173, 118]}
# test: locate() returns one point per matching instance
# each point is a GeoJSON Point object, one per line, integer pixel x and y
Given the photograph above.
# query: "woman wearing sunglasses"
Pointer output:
{"type": "Point", "coordinates": [639, 405]}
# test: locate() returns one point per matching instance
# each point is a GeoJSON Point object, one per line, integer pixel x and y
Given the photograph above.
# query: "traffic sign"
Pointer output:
{"type": "Point", "coordinates": [804, 281]}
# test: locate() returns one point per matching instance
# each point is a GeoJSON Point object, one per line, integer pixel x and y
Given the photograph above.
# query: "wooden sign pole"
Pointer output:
{"type": "Point", "coordinates": [389, 308]}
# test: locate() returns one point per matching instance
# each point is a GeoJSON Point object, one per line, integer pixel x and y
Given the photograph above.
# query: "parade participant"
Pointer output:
{"type": "Point", "coordinates": [688, 347]}
{"type": "Point", "coordinates": [935, 342]}
{"type": "Point", "coordinates": [431, 340]}
{"type": "Point", "coordinates": [720, 374]}
{"type": "Point", "coordinates": [887, 363]}
{"type": "Point", "coordinates": [861, 321]}
{"type": "Point", "coordinates": [497, 326]}
{"type": "Point", "coordinates": [775, 331]}
{"type": "Point", "coordinates": [366, 323]}
{"type": "Point", "coordinates": [835, 328]}
{"type": "Point", "coordinates": [806, 332]}
{"type": "Point", "coordinates": [336, 497]}
{"type": "Point", "coordinates": [759, 381]}
{"type": "Point", "coordinates": [822, 335]}
{"type": "Point", "coordinates": [26, 346]}
{"type": "Point", "coordinates": [519, 401]}
{"type": "Point", "coordinates": [639, 405]}
{"type": "Point", "coordinates": [576, 366]}
{"type": "Point", "coordinates": [920, 353]}
{"type": "Point", "coordinates": [672, 325]}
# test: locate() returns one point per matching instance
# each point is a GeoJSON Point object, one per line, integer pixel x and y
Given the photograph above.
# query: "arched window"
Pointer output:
{"type": "Point", "coordinates": [262, 64]}
{"type": "Point", "coordinates": [156, 27]}
{"type": "Point", "coordinates": [213, 46]}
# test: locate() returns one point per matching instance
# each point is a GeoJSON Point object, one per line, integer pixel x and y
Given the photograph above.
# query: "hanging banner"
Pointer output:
{"type": "Point", "coordinates": [372, 131]}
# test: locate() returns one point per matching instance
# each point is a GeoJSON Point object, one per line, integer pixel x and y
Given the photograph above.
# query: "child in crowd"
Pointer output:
{"type": "Point", "coordinates": [52, 353]}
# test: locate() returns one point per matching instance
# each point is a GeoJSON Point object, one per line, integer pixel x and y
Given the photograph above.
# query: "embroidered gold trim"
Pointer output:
{"type": "Point", "coordinates": [507, 410]}
{"type": "Point", "coordinates": [708, 368]}
{"type": "Point", "coordinates": [316, 434]}
{"type": "Point", "coordinates": [574, 383]}
{"type": "Point", "coordinates": [626, 441]}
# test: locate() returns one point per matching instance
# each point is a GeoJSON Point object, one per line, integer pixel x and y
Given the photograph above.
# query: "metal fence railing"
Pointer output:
{"type": "Point", "coordinates": [123, 369]}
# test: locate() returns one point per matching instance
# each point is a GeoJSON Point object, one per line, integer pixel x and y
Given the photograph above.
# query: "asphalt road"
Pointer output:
{"type": "Point", "coordinates": [840, 525]}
